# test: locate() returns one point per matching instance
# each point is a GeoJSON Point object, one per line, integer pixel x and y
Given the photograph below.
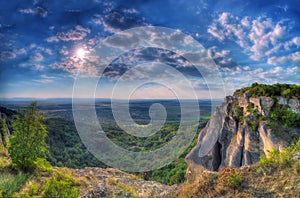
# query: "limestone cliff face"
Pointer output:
{"type": "Point", "coordinates": [234, 137]}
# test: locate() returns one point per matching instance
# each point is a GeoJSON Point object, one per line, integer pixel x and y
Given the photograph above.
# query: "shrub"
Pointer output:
{"type": "Point", "coordinates": [282, 114]}
{"type": "Point", "coordinates": [275, 128]}
{"type": "Point", "coordinates": [231, 177]}
{"type": "Point", "coordinates": [60, 186]}
{"type": "Point", "coordinates": [254, 125]}
{"type": "Point", "coordinates": [250, 107]}
{"type": "Point", "coordinates": [235, 180]}
{"type": "Point", "coordinates": [281, 159]}
{"type": "Point", "coordinates": [43, 165]}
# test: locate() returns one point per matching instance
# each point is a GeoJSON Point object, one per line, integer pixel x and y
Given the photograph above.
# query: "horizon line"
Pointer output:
{"type": "Point", "coordinates": [34, 98]}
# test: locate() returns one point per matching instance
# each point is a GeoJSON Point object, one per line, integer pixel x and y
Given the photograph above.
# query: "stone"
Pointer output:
{"type": "Point", "coordinates": [224, 142]}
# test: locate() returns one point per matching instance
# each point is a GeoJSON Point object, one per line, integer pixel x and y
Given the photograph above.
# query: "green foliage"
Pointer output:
{"type": "Point", "coordinates": [3, 131]}
{"type": "Point", "coordinates": [254, 125]}
{"type": "Point", "coordinates": [284, 90]}
{"type": "Point", "coordinates": [43, 165]}
{"type": "Point", "coordinates": [231, 177]}
{"type": "Point", "coordinates": [4, 162]}
{"type": "Point", "coordinates": [275, 128]}
{"type": "Point", "coordinates": [27, 143]}
{"type": "Point", "coordinates": [283, 159]}
{"type": "Point", "coordinates": [173, 173]}
{"type": "Point", "coordinates": [61, 185]}
{"type": "Point", "coordinates": [283, 114]}
{"type": "Point", "coordinates": [66, 148]}
{"type": "Point", "coordinates": [240, 114]}
{"type": "Point", "coordinates": [10, 183]}
{"type": "Point", "coordinates": [250, 108]}
{"type": "Point", "coordinates": [235, 180]}
{"type": "Point", "coordinates": [237, 112]}
{"type": "Point", "coordinates": [33, 188]}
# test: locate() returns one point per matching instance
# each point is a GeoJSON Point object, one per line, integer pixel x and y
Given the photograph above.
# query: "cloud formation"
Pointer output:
{"type": "Point", "coordinates": [76, 34]}
{"type": "Point", "coordinates": [259, 37]}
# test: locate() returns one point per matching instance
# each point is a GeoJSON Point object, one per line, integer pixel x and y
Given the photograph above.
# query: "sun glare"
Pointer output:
{"type": "Point", "coordinates": [81, 53]}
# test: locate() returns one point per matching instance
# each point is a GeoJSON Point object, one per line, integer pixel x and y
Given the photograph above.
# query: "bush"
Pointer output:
{"type": "Point", "coordinates": [276, 159]}
{"type": "Point", "coordinates": [250, 107]}
{"type": "Point", "coordinates": [282, 114]}
{"type": "Point", "coordinates": [235, 180]}
{"type": "Point", "coordinates": [43, 165]}
{"type": "Point", "coordinates": [275, 128]}
{"type": "Point", "coordinates": [254, 125]}
{"type": "Point", "coordinates": [60, 186]}
{"type": "Point", "coordinates": [231, 177]}
{"type": "Point", "coordinates": [33, 188]}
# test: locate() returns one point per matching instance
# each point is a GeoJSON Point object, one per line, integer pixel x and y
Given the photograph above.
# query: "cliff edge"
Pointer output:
{"type": "Point", "coordinates": [249, 124]}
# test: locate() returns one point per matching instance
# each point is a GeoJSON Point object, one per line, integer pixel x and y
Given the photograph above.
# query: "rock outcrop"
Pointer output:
{"type": "Point", "coordinates": [234, 137]}
{"type": "Point", "coordinates": [99, 182]}
{"type": "Point", "coordinates": [294, 104]}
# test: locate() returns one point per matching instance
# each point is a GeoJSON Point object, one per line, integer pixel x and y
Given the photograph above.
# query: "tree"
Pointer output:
{"type": "Point", "coordinates": [27, 143]}
{"type": "Point", "coordinates": [287, 93]}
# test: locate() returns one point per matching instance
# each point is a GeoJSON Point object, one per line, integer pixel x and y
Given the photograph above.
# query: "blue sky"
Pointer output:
{"type": "Point", "coordinates": [43, 42]}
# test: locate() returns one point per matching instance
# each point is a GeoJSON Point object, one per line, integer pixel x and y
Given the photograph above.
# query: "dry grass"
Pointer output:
{"type": "Point", "coordinates": [256, 182]}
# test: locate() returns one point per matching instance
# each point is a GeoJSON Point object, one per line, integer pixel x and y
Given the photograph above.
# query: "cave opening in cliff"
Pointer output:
{"type": "Point", "coordinates": [217, 157]}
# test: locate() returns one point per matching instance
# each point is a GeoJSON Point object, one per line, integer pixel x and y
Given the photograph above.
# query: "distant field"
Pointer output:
{"type": "Point", "coordinates": [139, 109]}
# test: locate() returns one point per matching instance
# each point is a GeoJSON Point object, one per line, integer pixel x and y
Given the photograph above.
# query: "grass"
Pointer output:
{"type": "Point", "coordinates": [10, 183]}
{"type": "Point", "coordinates": [127, 189]}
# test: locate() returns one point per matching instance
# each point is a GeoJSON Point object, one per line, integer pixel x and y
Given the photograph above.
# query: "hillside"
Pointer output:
{"type": "Point", "coordinates": [249, 148]}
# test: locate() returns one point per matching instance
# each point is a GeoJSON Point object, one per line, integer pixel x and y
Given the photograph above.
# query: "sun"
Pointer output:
{"type": "Point", "coordinates": [81, 53]}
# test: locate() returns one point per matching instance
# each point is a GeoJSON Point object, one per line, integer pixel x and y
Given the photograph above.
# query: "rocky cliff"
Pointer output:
{"type": "Point", "coordinates": [241, 130]}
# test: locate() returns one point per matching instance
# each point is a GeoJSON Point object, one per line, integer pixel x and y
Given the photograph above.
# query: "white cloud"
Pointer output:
{"type": "Point", "coordinates": [37, 67]}
{"type": "Point", "coordinates": [293, 42]}
{"type": "Point", "coordinates": [37, 57]}
{"type": "Point", "coordinates": [52, 39]}
{"type": "Point", "coordinates": [296, 41]}
{"type": "Point", "coordinates": [38, 10]}
{"type": "Point", "coordinates": [213, 53]}
{"type": "Point", "coordinates": [246, 68]}
{"type": "Point", "coordinates": [76, 34]}
{"type": "Point", "coordinates": [259, 37]}
{"type": "Point", "coordinates": [64, 52]}
{"type": "Point", "coordinates": [291, 58]}
{"type": "Point", "coordinates": [27, 11]}
{"type": "Point", "coordinates": [12, 54]}
{"type": "Point", "coordinates": [45, 79]}
{"type": "Point", "coordinates": [130, 11]}
{"type": "Point", "coordinates": [292, 70]}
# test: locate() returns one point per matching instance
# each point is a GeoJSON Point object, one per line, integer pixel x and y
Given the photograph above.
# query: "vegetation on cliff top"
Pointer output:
{"type": "Point", "coordinates": [284, 90]}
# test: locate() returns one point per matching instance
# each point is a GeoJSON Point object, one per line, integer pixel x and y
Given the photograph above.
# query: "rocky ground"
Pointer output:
{"type": "Point", "coordinates": [98, 182]}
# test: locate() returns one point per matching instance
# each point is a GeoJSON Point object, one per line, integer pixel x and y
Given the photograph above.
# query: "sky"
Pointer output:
{"type": "Point", "coordinates": [46, 44]}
